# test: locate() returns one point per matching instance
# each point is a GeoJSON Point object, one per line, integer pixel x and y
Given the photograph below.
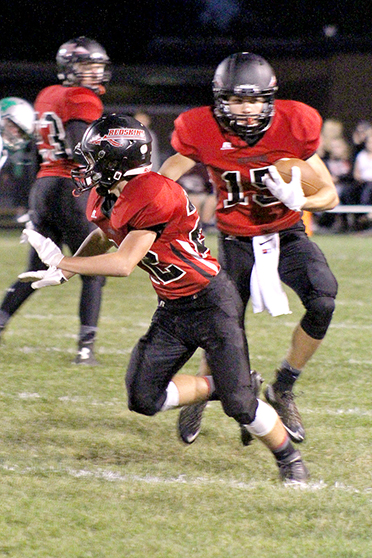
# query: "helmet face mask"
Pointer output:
{"type": "Point", "coordinates": [90, 75]}
{"type": "Point", "coordinates": [17, 122]}
{"type": "Point", "coordinates": [83, 62]}
{"type": "Point", "coordinates": [115, 148]}
{"type": "Point", "coordinates": [244, 75]}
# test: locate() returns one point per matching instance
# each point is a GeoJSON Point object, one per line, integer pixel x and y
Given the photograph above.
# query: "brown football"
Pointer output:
{"type": "Point", "coordinates": [310, 181]}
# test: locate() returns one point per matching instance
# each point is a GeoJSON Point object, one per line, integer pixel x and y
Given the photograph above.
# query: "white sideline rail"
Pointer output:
{"type": "Point", "coordinates": [351, 209]}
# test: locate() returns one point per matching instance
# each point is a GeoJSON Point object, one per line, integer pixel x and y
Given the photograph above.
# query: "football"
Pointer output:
{"type": "Point", "coordinates": [310, 181]}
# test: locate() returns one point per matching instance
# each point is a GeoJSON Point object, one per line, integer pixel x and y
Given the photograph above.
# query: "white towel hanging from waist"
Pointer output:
{"type": "Point", "coordinates": [266, 289]}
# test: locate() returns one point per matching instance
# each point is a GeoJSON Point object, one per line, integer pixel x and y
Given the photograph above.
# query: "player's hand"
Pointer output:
{"type": "Point", "coordinates": [44, 278]}
{"type": "Point", "coordinates": [49, 253]}
{"type": "Point", "coordinates": [290, 194]}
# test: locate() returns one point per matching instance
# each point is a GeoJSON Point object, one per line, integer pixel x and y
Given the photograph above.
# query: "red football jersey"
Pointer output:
{"type": "Point", "coordinates": [245, 207]}
{"type": "Point", "coordinates": [179, 264]}
{"type": "Point", "coordinates": [55, 106]}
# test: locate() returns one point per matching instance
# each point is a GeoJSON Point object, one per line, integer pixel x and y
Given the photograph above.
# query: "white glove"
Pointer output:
{"type": "Point", "coordinates": [43, 278]}
{"type": "Point", "coordinates": [49, 253]}
{"type": "Point", "coordinates": [290, 194]}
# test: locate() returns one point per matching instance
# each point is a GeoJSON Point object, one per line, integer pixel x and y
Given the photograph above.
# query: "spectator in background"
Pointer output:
{"type": "Point", "coordinates": [201, 193]}
{"type": "Point", "coordinates": [145, 119]}
{"type": "Point", "coordinates": [358, 137]}
{"type": "Point", "coordinates": [331, 129]}
{"type": "Point", "coordinates": [338, 162]}
{"type": "Point", "coordinates": [363, 177]}
{"type": "Point", "coordinates": [64, 113]}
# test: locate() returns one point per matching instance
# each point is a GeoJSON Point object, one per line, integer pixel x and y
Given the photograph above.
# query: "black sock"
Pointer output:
{"type": "Point", "coordinates": [286, 377]}
{"type": "Point", "coordinates": [4, 318]}
{"type": "Point", "coordinates": [87, 336]}
{"type": "Point", "coordinates": [285, 451]}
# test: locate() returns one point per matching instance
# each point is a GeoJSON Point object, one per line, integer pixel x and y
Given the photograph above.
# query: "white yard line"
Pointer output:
{"type": "Point", "coordinates": [87, 400]}
{"type": "Point", "coordinates": [114, 476]}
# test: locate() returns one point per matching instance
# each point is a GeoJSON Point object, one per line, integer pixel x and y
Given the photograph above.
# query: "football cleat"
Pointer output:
{"type": "Point", "coordinates": [292, 469]}
{"type": "Point", "coordinates": [283, 403]}
{"type": "Point", "coordinates": [85, 356]}
{"type": "Point", "coordinates": [257, 381]}
{"type": "Point", "coordinates": [189, 421]}
{"type": "Point", "coordinates": [190, 417]}
{"type": "Point", "coordinates": [245, 436]}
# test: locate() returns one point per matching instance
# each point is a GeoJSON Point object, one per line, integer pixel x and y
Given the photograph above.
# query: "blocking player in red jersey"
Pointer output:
{"type": "Point", "coordinates": [153, 225]}
{"type": "Point", "coordinates": [239, 139]}
{"type": "Point", "coordinates": [64, 112]}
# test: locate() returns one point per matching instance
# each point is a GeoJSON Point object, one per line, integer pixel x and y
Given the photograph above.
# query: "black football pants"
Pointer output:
{"type": "Point", "coordinates": [302, 266]}
{"type": "Point", "coordinates": [208, 320]}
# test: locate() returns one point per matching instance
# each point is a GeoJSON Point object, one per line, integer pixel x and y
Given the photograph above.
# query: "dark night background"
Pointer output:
{"type": "Point", "coordinates": [164, 52]}
{"type": "Point", "coordinates": [182, 31]}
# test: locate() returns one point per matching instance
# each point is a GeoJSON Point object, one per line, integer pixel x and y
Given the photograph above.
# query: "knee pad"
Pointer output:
{"type": "Point", "coordinates": [242, 407]}
{"type": "Point", "coordinates": [142, 403]}
{"type": "Point", "coordinates": [319, 312]}
{"type": "Point", "coordinates": [142, 398]}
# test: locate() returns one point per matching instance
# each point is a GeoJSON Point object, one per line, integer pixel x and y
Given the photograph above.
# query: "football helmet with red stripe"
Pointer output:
{"type": "Point", "coordinates": [115, 148]}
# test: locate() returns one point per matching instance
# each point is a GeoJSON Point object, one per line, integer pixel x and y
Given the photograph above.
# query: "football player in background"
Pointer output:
{"type": "Point", "coordinates": [19, 160]}
{"type": "Point", "coordinates": [239, 139]}
{"type": "Point", "coordinates": [17, 125]}
{"type": "Point", "coordinates": [64, 112]}
{"type": "Point", "coordinates": [154, 225]}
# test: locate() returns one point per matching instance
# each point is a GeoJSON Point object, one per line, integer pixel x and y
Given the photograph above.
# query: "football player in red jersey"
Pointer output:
{"type": "Point", "coordinates": [239, 139]}
{"type": "Point", "coordinates": [153, 225]}
{"type": "Point", "coordinates": [64, 112]}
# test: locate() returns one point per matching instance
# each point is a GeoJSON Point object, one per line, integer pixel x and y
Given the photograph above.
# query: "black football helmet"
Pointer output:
{"type": "Point", "coordinates": [115, 148]}
{"type": "Point", "coordinates": [73, 55]}
{"type": "Point", "coordinates": [244, 75]}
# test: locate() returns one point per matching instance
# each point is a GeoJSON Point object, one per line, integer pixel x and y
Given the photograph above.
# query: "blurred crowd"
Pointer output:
{"type": "Point", "coordinates": [349, 160]}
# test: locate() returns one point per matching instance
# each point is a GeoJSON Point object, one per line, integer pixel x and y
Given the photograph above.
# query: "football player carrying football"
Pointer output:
{"type": "Point", "coordinates": [239, 139]}
{"type": "Point", "coordinates": [151, 221]}
{"type": "Point", "coordinates": [64, 112]}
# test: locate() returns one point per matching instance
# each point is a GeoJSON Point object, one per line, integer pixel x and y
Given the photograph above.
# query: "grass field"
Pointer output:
{"type": "Point", "coordinates": [83, 477]}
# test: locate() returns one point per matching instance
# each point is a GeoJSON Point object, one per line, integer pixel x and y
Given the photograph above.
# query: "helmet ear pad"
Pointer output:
{"type": "Point", "coordinates": [109, 170]}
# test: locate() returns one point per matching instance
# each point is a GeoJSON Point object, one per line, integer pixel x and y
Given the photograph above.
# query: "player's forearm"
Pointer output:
{"type": "Point", "coordinates": [110, 265]}
{"type": "Point", "coordinates": [96, 243]}
{"type": "Point", "coordinates": [326, 198]}
{"type": "Point", "coordinates": [175, 166]}
{"type": "Point", "coordinates": [121, 263]}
